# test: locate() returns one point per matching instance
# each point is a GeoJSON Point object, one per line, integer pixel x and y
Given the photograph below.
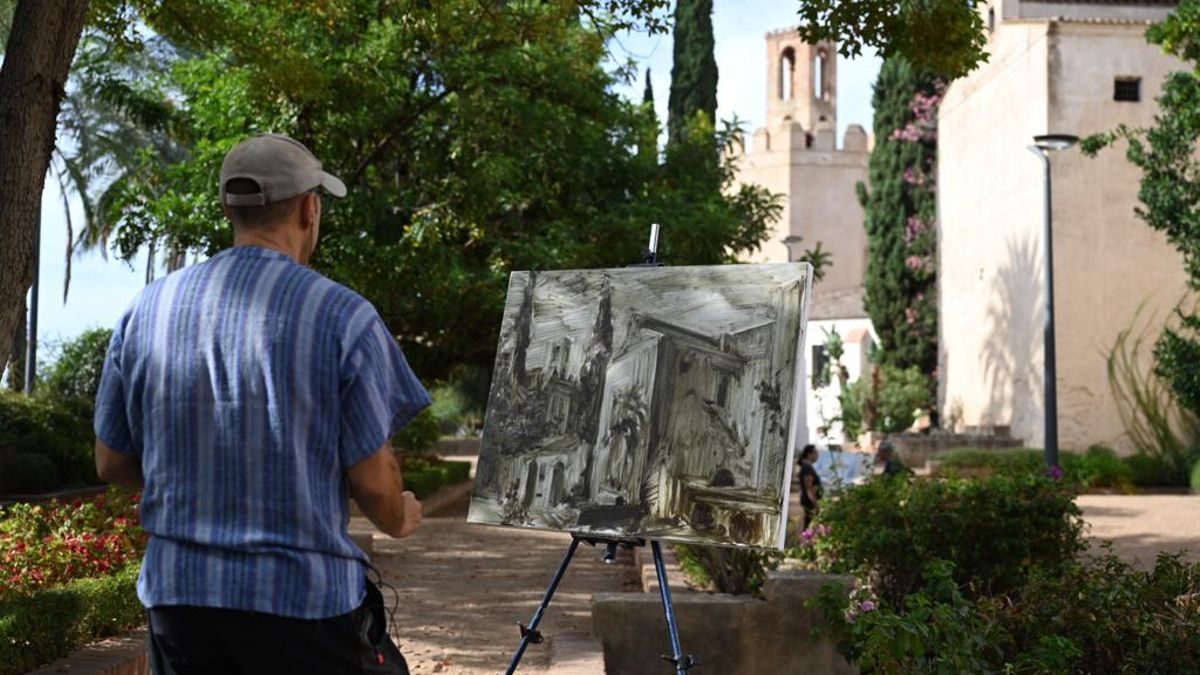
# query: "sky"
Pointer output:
{"type": "Point", "coordinates": [100, 290]}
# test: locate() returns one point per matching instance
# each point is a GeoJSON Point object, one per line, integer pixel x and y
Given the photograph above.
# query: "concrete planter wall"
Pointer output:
{"type": "Point", "coordinates": [730, 634]}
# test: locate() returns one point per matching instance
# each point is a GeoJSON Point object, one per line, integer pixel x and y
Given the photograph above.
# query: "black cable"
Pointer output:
{"type": "Point", "coordinates": [391, 611]}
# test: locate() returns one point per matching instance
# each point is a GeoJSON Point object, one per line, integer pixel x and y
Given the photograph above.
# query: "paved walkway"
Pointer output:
{"type": "Point", "coordinates": [1142, 525]}
{"type": "Point", "coordinates": [463, 588]}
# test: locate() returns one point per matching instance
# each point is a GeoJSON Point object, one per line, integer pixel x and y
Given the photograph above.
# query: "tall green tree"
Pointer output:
{"type": "Point", "coordinates": [694, 69]}
{"type": "Point", "coordinates": [1166, 152]}
{"type": "Point", "coordinates": [474, 141]}
{"type": "Point", "coordinates": [901, 211]}
{"type": "Point", "coordinates": [38, 49]}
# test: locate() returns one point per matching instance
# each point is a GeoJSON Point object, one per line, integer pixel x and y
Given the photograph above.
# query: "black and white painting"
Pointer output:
{"type": "Point", "coordinates": [641, 402]}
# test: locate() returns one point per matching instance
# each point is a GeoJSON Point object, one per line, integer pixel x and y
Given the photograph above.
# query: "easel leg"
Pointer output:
{"type": "Point", "coordinates": [531, 634]}
{"type": "Point", "coordinates": [682, 662]}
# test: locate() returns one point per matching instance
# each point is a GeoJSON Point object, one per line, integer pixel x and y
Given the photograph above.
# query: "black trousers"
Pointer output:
{"type": "Point", "coordinates": [209, 641]}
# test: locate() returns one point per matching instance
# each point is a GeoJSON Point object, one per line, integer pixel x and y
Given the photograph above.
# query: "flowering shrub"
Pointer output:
{"type": "Point", "coordinates": [49, 545]}
{"type": "Point", "coordinates": [813, 551]}
{"type": "Point", "coordinates": [935, 631]}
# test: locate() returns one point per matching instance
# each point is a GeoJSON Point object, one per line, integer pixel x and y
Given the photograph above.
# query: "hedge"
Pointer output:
{"type": "Point", "coordinates": [428, 479]}
{"type": "Point", "coordinates": [51, 624]}
{"type": "Point", "coordinates": [1099, 467]}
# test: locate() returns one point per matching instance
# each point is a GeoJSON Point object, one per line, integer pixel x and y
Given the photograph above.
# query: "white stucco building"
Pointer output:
{"type": "Point", "coordinates": [797, 155]}
{"type": "Point", "coordinates": [1055, 67]}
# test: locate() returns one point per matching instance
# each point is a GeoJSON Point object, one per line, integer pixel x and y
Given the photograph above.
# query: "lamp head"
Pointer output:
{"type": "Point", "coordinates": [1052, 142]}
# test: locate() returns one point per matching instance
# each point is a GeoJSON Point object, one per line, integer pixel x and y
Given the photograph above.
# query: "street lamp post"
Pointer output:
{"type": "Point", "coordinates": [1042, 147]}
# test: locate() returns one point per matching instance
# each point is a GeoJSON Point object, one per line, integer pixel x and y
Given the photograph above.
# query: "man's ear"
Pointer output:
{"type": "Point", "coordinates": [308, 210]}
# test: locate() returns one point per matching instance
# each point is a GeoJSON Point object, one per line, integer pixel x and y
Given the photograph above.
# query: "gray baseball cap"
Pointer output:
{"type": "Point", "coordinates": [281, 166]}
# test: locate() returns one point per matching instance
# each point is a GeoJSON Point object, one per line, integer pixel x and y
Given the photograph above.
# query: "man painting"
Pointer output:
{"type": "Point", "coordinates": [249, 397]}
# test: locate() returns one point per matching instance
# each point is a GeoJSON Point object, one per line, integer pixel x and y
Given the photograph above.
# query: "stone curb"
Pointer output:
{"type": "Point", "coordinates": [643, 560]}
{"type": "Point", "coordinates": [125, 655]}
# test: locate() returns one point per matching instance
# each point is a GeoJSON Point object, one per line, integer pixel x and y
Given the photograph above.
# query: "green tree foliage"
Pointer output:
{"type": "Point", "coordinates": [1166, 152]}
{"type": "Point", "coordinates": [694, 69]}
{"type": "Point", "coordinates": [475, 140]}
{"type": "Point", "coordinates": [901, 211]}
{"type": "Point", "coordinates": [943, 36]}
{"type": "Point", "coordinates": [75, 376]}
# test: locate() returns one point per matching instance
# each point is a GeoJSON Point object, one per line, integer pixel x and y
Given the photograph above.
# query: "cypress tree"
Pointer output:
{"type": "Point", "coordinates": [694, 71]}
{"type": "Point", "coordinates": [900, 206]}
{"type": "Point", "coordinates": [648, 143]}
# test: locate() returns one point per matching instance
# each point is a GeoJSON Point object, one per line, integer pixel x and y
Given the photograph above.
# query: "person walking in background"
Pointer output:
{"type": "Point", "coordinates": [250, 397]}
{"type": "Point", "coordinates": [892, 466]}
{"type": "Point", "coordinates": [810, 483]}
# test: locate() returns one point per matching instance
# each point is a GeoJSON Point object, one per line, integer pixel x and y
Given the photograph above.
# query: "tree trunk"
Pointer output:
{"type": "Point", "coordinates": [16, 362]}
{"type": "Point", "coordinates": [36, 61]}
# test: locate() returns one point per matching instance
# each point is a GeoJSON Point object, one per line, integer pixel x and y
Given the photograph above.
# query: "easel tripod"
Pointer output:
{"type": "Point", "coordinates": [531, 635]}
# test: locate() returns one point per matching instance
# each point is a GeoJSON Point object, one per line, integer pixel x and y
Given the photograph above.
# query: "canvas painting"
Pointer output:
{"type": "Point", "coordinates": [646, 402]}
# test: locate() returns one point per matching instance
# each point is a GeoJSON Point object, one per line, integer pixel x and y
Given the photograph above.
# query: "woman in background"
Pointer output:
{"type": "Point", "coordinates": [810, 483]}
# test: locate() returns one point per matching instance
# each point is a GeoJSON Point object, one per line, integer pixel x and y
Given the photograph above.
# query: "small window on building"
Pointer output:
{"type": "Point", "coordinates": [991, 19]}
{"type": "Point", "coordinates": [1127, 89]}
{"type": "Point", "coordinates": [820, 367]}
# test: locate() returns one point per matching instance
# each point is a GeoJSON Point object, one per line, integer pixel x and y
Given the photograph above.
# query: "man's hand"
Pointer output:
{"type": "Point", "coordinates": [376, 484]}
{"type": "Point", "coordinates": [412, 514]}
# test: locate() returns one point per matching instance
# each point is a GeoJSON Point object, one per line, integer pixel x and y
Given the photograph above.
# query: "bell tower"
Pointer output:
{"type": "Point", "coordinates": [801, 82]}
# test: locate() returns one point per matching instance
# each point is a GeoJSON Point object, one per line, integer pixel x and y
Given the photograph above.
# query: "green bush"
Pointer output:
{"type": "Point", "coordinates": [420, 435]}
{"type": "Point", "coordinates": [901, 393]}
{"type": "Point", "coordinates": [1196, 478]}
{"type": "Point", "coordinates": [1113, 618]}
{"type": "Point", "coordinates": [1093, 617]}
{"type": "Point", "coordinates": [50, 427]}
{"type": "Point", "coordinates": [453, 411]}
{"type": "Point", "coordinates": [936, 630]}
{"type": "Point", "coordinates": [1146, 470]}
{"type": "Point", "coordinates": [726, 570]}
{"type": "Point", "coordinates": [1165, 434]}
{"type": "Point", "coordinates": [28, 473]}
{"type": "Point", "coordinates": [992, 529]}
{"type": "Point", "coordinates": [425, 475]}
{"type": "Point", "coordinates": [1099, 467]}
{"type": "Point", "coordinates": [52, 623]}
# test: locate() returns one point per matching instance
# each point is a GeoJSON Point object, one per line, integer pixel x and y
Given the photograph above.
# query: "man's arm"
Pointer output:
{"type": "Point", "coordinates": [376, 484]}
{"type": "Point", "coordinates": [118, 467]}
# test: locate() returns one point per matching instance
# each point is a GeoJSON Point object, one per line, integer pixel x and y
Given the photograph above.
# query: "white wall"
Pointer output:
{"type": "Point", "coordinates": [1044, 78]}
{"type": "Point", "coordinates": [822, 404]}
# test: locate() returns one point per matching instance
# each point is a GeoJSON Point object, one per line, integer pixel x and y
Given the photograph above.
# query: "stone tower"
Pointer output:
{"type": "Point", "coordinates": [802, 82]}
{"type": "Point", "coordinates": [796, 154]}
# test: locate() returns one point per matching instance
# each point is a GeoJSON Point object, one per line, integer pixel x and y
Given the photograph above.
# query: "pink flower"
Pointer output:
{"type": "Point", "coordinates": [807, 535]}
{"type": "Point", "coordinates": [867, 606]}
{"type": "Point", "coordinates": [917, 263]}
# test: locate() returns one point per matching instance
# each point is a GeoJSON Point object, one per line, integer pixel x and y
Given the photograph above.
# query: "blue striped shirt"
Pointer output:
{"type": "Point", "coordinates": [246, 386]}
